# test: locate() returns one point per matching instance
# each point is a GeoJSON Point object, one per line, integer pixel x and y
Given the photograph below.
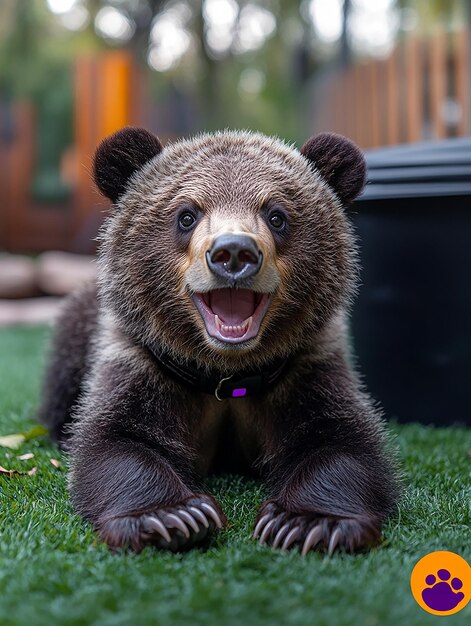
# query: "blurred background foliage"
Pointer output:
{"type": "Point", "coordinates": [221, 63]}
{"type": "Point", "coordinates": [72, 71]}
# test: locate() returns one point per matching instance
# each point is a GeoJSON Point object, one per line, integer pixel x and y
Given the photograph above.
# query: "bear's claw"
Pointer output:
{"type": "Point", "coordinates": [173, 528]}
{"type": "Point", "coordinates": [334, 541]}
{"type": "Point", "coordinates": [151, 524]}
{"type": "Point", "coordinates": [213, 514]}
{"type": "Point", "coordinates": [280, 535]}
{"type": "Point", "coordinates": [200, 516]}
{"type": "Point", "coordinates": [310, 531]}
{"type": "Point", "coordinates": [291, 538]}
{"type": "Point", "coordinates": [259, 525]}
{"type": "Point", "coordinates": [171, 520]}
{"type": "Point", "coordinates": [313, 538]}
{"type": "Point", "coordinates": [189, 520]}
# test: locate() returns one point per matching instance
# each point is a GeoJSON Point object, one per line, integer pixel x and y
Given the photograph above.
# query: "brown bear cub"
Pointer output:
{"type": "Point", "coordinates": [216, 340]}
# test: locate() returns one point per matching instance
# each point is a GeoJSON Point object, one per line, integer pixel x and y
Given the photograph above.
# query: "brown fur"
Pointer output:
{"type": "Point", "coordinates": [141, 441]}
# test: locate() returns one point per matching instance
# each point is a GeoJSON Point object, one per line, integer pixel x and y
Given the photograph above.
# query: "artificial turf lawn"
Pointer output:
{"type": "Point", "coordinates": [54, 572]}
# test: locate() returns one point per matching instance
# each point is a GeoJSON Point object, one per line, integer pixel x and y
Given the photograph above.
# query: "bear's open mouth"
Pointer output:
{"type": "Point", "coordinates": [232, 315]}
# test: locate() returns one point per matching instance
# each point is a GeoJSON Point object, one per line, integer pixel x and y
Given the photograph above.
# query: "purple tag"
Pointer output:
{"type": "Point", "coordinates": [239, 393]}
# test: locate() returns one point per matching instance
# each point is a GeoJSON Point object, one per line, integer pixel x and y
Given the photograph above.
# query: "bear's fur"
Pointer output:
{"type": "Point", "coordinates": [215, 229]}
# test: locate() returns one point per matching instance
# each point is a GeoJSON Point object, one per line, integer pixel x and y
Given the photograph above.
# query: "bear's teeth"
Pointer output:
{"type": "Point", "coordinates": [238, 330]}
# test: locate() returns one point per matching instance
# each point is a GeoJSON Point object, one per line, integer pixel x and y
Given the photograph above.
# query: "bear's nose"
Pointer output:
{"type": "Point", "coordinates": [234, 256]}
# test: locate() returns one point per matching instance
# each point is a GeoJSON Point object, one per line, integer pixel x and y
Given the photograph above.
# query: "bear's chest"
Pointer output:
{"type": "Point", "coordinates": [228, 435]}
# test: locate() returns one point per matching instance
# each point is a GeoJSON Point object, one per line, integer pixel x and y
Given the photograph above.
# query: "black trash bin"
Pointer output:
{"type": "Point", "coordinates": [411, 322]}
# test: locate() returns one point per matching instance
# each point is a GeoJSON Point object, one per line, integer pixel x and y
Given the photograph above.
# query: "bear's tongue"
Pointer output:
{"type": "Point", "coordinates": [232, 306]}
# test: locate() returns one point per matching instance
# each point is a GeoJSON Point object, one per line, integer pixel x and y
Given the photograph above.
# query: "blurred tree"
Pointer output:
{"type": "Point", "coordinates": [242, 62]}
{"type": "Point", "coordinates": [432, 14]}
{"type": "Point", "coordinates": [29, 71]}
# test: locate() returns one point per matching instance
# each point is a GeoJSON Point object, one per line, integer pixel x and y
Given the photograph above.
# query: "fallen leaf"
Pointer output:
{"type": "Point", "coordinates": [16, 439]}
{"type": "Point", "coordinates": [12, 441]}
{"type": "Point", "coordinates": [12, 472]}
{"type": "Point", "coordinates": [56, 463]}
{"type": "Point", "coordinates": [25, 457]}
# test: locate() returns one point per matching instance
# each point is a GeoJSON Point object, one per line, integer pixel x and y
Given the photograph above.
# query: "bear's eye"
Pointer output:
{"type": "Point", "coordinates": [186, 220]}
{"type": "Point", "coordinates": [277, 220]}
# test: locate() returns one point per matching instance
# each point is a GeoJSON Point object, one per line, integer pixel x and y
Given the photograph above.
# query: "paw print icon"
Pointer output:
{"type": "Point", "coordinates": [440, 595]}
{"type": "Point", "coordinates": [441, 583]}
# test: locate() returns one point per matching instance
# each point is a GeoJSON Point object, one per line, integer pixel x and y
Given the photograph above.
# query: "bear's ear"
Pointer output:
{"type": "Point", "coordinates": [119, 156]}
{"type": "Point", "coordinates": [340, 163]}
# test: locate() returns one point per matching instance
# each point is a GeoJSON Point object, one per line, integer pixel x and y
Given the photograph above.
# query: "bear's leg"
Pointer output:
{"type": "Point", "coordinates": [331, 481]}
{"type": "Point", "coordinates": [132, 468]}
{"type": "Point", "coordinates": [67, 363]}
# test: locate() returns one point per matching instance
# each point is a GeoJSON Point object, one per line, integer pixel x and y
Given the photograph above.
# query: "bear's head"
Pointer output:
{"type": "Point", "coordinates": [229, 249]}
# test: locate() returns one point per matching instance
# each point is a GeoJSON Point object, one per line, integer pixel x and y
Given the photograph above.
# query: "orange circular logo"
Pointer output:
{"type": "Point", "coordinates": [441, 583]}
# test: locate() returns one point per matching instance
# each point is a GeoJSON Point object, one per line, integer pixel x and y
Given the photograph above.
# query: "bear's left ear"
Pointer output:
{"type": "Point", "coordinates": [340, 163]}
{"type": "Point", "coordinates": [119, 156]}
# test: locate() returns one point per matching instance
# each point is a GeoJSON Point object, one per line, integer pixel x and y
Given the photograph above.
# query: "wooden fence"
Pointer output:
{"type": "Point", "coordinates": [420, 92]}
{"type": "Point", "coordinates": [107, 96]}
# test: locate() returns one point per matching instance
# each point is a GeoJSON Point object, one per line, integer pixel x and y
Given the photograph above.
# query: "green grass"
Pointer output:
{"type": "Point", "coordinates": [54, 572]}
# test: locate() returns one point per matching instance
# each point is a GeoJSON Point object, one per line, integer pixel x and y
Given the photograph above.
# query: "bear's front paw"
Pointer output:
{"type": "Point", "coordinates": [175, 528]}
{"type": "Point", "coordinates": [311, 531]}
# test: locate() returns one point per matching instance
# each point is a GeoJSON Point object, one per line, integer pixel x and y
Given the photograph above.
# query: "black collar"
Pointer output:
{"type": "Point", "coordinates": [238, 385]}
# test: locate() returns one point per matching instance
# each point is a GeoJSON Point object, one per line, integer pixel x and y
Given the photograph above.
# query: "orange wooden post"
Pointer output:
{"type": "Point", "coordinates": [105, 101]}
{"type": "Point", "coordinates": [414, 83]}
{"type": "Point", "coordinates": [366, 131]}
{"type": "Point", "coordinates": [4, 192]}
{"type": "Point", "coordinates": [358, 96]}
{"type": "Point", "coordinates": [373, 71]}
{"type": "Point", "coordinates": [350, 104]}
{"type": "Point", "coordinates": [438, 82]}
{"type": "Point", "coordinates": [462, 86]}
{"type": "Point", "coordinates": [392, 103]}
{"type": "Point", "coordinates": [20, 163]}
{"type": "Point", "coordinates": [381, 102]}
{"type": "Point", "coordinates": [114, 92]}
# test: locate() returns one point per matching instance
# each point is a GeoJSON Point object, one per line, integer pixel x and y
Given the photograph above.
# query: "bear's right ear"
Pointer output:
{"type": "Point", "coordinates": [340, 163]}
{"type": "Point", "coordinates": [119, 156]}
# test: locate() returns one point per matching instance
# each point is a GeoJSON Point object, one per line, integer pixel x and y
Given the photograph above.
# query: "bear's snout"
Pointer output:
{"type": "Point", "coordinates": [234, 257]}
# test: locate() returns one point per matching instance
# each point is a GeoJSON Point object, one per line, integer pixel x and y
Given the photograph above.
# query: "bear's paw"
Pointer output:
{"type": "Point", "coordinates": [175, 528]}
{"type": "Point", "coordinates": [312, 531]}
